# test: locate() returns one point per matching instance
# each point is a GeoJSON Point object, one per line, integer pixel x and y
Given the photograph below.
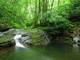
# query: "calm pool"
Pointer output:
{"type": "Point", "coordinates": [48, 52]}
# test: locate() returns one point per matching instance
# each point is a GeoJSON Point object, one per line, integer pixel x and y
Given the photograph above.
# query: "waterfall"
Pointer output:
{"type": "Point", "coordinates": [75, 45]}
{"type": "Point", "coordinates": [76, 39]}
{"type": "Point", "coordinates": [16, 38]}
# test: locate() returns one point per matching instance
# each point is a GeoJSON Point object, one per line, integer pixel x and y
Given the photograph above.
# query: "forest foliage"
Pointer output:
{"type": "Point", "coordinates": [57, 14]}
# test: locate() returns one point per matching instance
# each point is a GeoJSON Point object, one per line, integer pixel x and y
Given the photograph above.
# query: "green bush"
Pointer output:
{"type": "Point", "coordinates": [56, 24]}
{"type": "Point", "coordinates": [75, 11]}
{"type": "Point", "coordinates": [55, 21]}
{"type": "Point", "coordinates": [64, 10]}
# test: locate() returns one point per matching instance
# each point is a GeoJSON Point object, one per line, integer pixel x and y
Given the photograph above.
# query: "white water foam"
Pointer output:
{"type": "Point", "coordinates": [18, 44]}
{"type": "Point", "coordinates": [76, 39]}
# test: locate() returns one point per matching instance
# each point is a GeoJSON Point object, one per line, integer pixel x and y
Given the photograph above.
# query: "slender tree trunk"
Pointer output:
{"type": "Point", "coordinates": [36, 14]}
{"type": "Point", "coordinates": [58, 2]}
{"type": "Point", "coordinates": [41, 6]}
{"type": "Point", "coordinates": [52, 5]}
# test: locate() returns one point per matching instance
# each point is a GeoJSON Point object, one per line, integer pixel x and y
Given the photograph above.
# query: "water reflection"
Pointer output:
{"type": "Point", "coordinates": [76, 48]}
{"type": "Point", "coordinates": [49, 52]}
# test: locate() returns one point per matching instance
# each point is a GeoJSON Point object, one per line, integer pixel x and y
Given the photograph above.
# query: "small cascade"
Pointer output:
{"type": "Point", "coordinates": [75, 44]}
{"type": "Point", "coordinates": [16, 38]}
{"type": "Point", "coordinates": [76, 35]}
{"type": "Point", "coordinates": [75, 39]}
{"type": "Point", "coordinates": [5, 32]}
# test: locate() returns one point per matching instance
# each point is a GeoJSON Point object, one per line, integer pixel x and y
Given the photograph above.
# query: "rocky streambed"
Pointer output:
{"type": "Point", "coordinates": [28, 37]}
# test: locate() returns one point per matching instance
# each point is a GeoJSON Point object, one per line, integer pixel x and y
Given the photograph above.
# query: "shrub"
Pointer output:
{"type": "Point", "coordinates": [58, 25]}
{"type": "Point", "coordinates": [55, 21]}
{"type": "Point", "coordinates": [75, 11]}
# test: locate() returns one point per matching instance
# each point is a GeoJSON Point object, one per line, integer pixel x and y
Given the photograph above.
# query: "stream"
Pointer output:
{"type": "Point", "coordinates": [47, 52]}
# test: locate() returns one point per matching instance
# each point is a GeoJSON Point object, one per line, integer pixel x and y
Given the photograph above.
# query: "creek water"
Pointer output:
{"type": "Point", "coordinates": [16, 38]}
{"type": "Point", "coordinates": [48, 52]}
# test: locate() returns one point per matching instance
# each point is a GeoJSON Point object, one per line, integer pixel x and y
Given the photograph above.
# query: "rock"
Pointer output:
{"type": "Point", "coordinates": [37, 37]}
{"type": "Point", "coordinates": [24, 35]}
{"type": "Point", "coordinates": [25, 39]}
{"type": "Point", "coordinates": [6, 39]}
{"type": "Point", "coordinates": [33, 37]}
{"type": "Point", "coordinates": [29, 37]}
{"type": "Point", "coordinates": [4, 27]}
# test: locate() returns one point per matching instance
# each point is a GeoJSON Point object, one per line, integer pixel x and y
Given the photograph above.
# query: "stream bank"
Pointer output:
{"type": "Point", "coordinates": [29, 37]}
{"type": "Point", "coordinates": [39, 36]}
{"type": "Point", "coordinates": [64, 36]}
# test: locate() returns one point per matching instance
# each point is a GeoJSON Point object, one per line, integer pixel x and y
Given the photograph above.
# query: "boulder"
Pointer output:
{"type": "Point", "coordinates": [4, 27]}
{"type": "Point", "coordinates": [6, 39]}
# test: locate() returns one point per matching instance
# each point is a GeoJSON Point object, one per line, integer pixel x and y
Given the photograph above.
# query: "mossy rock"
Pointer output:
{"type": "Point", "coordinates": [7, 39]}
{"type": "Point", "coordinates": [37, 37]}
{"type": "Point", "coordinates": [4, 27]}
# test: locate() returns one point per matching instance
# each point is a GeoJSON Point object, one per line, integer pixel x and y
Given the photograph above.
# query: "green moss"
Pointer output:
{"type": "Point", "coordinates": [37, 37]}
{"type": "Point", "coordinates": [6, 39]}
